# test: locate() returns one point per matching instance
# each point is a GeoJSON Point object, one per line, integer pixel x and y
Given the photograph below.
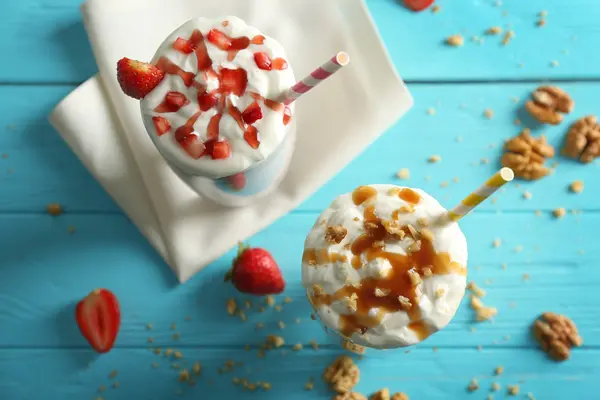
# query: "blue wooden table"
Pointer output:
{"type": "Point", "coordinates": [45, 267]}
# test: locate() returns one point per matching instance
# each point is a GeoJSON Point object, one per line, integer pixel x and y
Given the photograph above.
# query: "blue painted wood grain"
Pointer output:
{"type": "Point", "coordinates": [45, 268]}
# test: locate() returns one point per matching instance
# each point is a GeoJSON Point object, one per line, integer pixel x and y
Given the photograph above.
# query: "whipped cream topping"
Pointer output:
{"type": "Point", "coordinates": [380, 270]}
{"type": "Point", "coordinates": [185, 74]}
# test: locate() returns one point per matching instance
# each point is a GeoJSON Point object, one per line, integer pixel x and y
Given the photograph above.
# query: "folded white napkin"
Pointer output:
{"type": "Point", "coordinates": [336, 121]}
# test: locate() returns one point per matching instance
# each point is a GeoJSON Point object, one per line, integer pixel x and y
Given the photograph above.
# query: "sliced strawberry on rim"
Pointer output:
{"type": "Point", "coordinates": [99, 318]}
{"type": "Point", "coordinates": [251, 137]}
{"type": "Point", "coordinates": [221, 150]}
{"type": "Point", "coordinates": [184, 46]}
{"type": "Point", "coordinates": [173, 102]}
{"type": "Point", "coordinates": [252, 113]}
{"type": "Point", "coordinates": [193, 146]}
{"type": "Point", "coordinates": [233, 81]}
{"type": "Point", "coordinates": [418, 5]}
{"type": "Point", "coordinates": [263, 61]}
{"type": "Point", "coordinates": [161, 125]}
{"type": "Point", "coordinates": [206, 101]}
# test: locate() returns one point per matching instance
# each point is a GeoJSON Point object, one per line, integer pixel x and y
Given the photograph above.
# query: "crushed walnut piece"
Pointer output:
{"type": "Point", "coordinates": [54, 209]}
{"type": "Point", "coordinates": [526, 156]}
{"type": "Point", "coordinates": [415, 278]}
{"type": "Point", "coordinates": [455, 40]}
{"type": "Point", "coordinates": [382, 292]}
{"type": "Point", "coordinates": [405, 303]}
{"type": "Point", "coordinates": [351, 302]}
{"type": "Point", "coordinates": [335, 234]}
{"type": "Point", "coordinates": [404, 173]}
{"type": "Point", "coordinates": [473, 385]}
{"type": "Point", "coordinates": [556, 334]}
{"type": "Point", "coordinates": [548, 104]}
{"type": "Point", "coordinates": [494, 30]}
{"type": "Point", "coordinates": [513, 390]}
{"type": "Point", "coordinates": [482, 312]}
{"type": "Point", "coordinates": [342, 374]}
{"type": "Point", "coordinates": [559, 212]}
{"type": "Point", "coordinates": [576, 186]}
{"type": "Point", "coordinates": [475, 289]}
{"type": "Point", "coordinates": [583, 140]}
{"type": "Point", "coordinates": [353, 347]}
{"type": "Point", "coordinates": [508, 37]}
{"type": "Point", "coordinates": [393, 228]}
{"type": "Point", "coordinates": [349, 396]}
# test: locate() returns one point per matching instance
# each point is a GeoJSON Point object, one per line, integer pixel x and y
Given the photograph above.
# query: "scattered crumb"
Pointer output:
{"type": "Point", "coordinates": [530, 396]}
{"type": "Point", "coordinates": [518, 248]}
{"type": "Point", "coordinates": [455, 40]}
{"type": "Point", "coordinates": [149, 327]}
{"type": "Point", "coordinates": [541, 22]}
{"type": "Point", "coordinates": [54, 209]}
{"type": "Point", "coordinates": [178, 355]}
{"type": "Point", "coordinates": [314, 344]}
{"type": "Point", "coordinates": [435, 9]}
{"type": "Point", "coordinates": [504, 266]}
{"type": "Point", "coordinates": [434, 159]}
{"type": "Point", "coordinates": [242, 315]}
{"type": "Point", "coordinates": [513, 390]}
{"type": "Point", "coordinates": [154, 365]}
{"type": "Point", "coordinates": [480, 348]}
{"type": "Point", "coordinates": [554, 63]}
{"type": "Point", "coordinates": [297, 347]}
{"type": "Point", "coordinates": [287, 300]}
{"type": "Point", "coordinates": [173, 326]}
{"type": "Point", "coordinates": [543, 13]}
{"type": "Point", "coordinates": [113, 374]}
{"type": "Point", "coordinates": [495, 387]}
{"type": "Point", "coordinates": [168, 352]}
{"type": "Point", "coordinates": [270, 300]}
{"type": "Point", "coordinates": [231, 306]}
{"type": "Point", "coordinates": [526, 277]}
{"type": "Point", "coordinates": [494, 30]}
{"type": "Point", "coordinates": [115, 384]}
{"type": "Point", "coordinates": [431, 111]}
{"type": "Point", "coordinates": [259, 325]}
{"type": "Point", "coordinates": [576, 186]}
{"type": "Point", "coordinates": [176, 336]}
{"type": "Point", "coordinates": [404, 173]}
{"type": "Point", "coordinates": [150, 340]}
{"type": "Point", "coordinates": [476, 290]}
{"type": "Point", "coordinates": [188, 318]}
{"type": "Point", "coordinates": [456, 179]}
{"type": "Point", "coordinates": [538, 213]}
{"type": "Point", "coordinates": [485, 161]}
{"type": "Point", "coordinates": [507, 37]}
{"type": "Point", "coordinates": [309, 385]}
{"type": "Point", "coordinates": [102, 388]}
{"type": "Point", "coordinates": [444, 184]}
{"type": "Point", "coordinates": [517, 122]}
{"type": "Point", "coordinates": [497, 243]}
{"type": "Point", "coordinates": [278, 308]}
{"type": "Point", "coordinates": [473, 385]}
{"type": "Point", "coordinates": [489, 114]}
{"type": "Point", "coordinates": [527, 195]}
{"type": "Point", "coordinates": [559, 212]}
{"type": "Point", "coordinates": [281, 324]}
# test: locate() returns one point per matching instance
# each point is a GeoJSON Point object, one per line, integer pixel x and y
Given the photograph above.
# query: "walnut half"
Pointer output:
{"type": "Point", "coordinates": [556, 335]}
{"type": "Point", "coordinates": [583, 140]}
{"type": "Point", "coordinates": [526, 156]}
{"type": "Point", "coordinates": [548, 103]}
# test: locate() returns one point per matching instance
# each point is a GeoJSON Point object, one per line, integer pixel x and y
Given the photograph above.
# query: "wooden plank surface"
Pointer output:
{"type": "Point", "coordinates": [416, 41]}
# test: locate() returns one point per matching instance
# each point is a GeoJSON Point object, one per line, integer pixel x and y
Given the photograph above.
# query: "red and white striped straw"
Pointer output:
{"type": "Point", "coordinates": [338, 61]}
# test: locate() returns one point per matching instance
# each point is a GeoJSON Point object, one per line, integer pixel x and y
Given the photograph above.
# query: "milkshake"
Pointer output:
{"type": "Point", "coordinates": [215, 115]}
{"type": "Point", "coordinates": [383, 268]}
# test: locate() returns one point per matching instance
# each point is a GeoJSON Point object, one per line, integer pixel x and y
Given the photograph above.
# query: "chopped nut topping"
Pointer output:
{"type": "Point", "coordinates": [455, 40]}
{"type": "Point", "coordinates": [513, 390]}
{"type": "Point", "coordinates": [576, 186]}
{"type": "Point", "coordinates": [353, 347]}
{"type": "Point", "coordinates": [556, 334]}
{"type": "Point", "coordinates": [526, 156]}
{"type": "Point", "coordinates": [318, 290]}
{"type": "Point", "coordinates": [423, 221]}
{"type": "Point", "coordinates": [342, 375]}
{"type": "Point", "coordinates": [439, 293]}
{"type": "Point", "coordinates": [427, 272]}
{"type": "Point", "coordinates": [405, 303]}
{"type": "Point", "coordinates": [381, 292]}
{"type": "Point", "coordinates": [414, 277]}
{"type": "Point", "coordinates": [378, 244]}
{"type": "Point", "coordinates": [231, 306]}
{"type": "Point", "coordinates": [406, 209]}
{"type": "Point", "coordinates": [393, 228]}
{"type": "Point", "coordinates": [473, 385]}
{"type": "Point", "coordinates": [559, 212]}
{"type": "Point", "coordinates": [351, 302]}
{"type": "Point", "coordinates": [427, 234]}
{"type": "Point", "coordinates": [383, 394]}
{"type": "Point", "coordinates": [413, 232]}
{"type": "Point", "coordinates": [583, 140]}
{"type": "Point", "coordinates": [54, 209]}
{"type": "Point", "coordinates": [494, 30]}
{"type": "Point", "coordinates": [335, 234]}
{"type": "Point", "coordinates": [404, 173]}
{"type": "Point", "coordinates": [414, 246]}
{"type": "Point", "coordinates": [434, 159]}
{"type": "Point", "coordinates": [276, 341]}
{"type": "Point", "coordinates": [476, 290]}
{"type": "Point", "coordinates": [486, 313]}
{"type": "Point", "coordinates": [548, 104]}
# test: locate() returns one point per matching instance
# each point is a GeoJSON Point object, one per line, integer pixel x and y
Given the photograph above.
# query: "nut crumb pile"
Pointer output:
{"type": "Point", "coordinates": [556, 334]}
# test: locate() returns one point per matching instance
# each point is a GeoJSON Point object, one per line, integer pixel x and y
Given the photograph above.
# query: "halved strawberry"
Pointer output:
{"type": "Point", "coordinates": [206, 101]}
{"type": "Point", "coordinates": [138, 78]}
{"type": "Point", "coordinates": [252, 113]}
{"type": "Point", "coordinates": [263, 61]}
{"type": "Point", "coordinates": [219, 39]}
{"type": "Point", "coordinates": [193, 146]}
{"type": "Point", "coordinates": [221, 150]}
{"type": "Point", "coordinates": [251, 137]}
{"type": "Point", "coordinates": [212, 131]}
{"type": "Point", "coordinates": [237, 181]}
{"type": "Point", "coordinates": [233, 81]}
{"type": "Point", "coordinates": [287, 115]}
{"type": "Point", "coordinates": [418, 5]}
{"type": "Point", "coordinates": [173, 102]}
{"type": "Point", "coordinates": [184, 46]}
{"type": "Point", "coordinates": [161, 125]}
{"type": "Point", "coordinates": [99, 318]}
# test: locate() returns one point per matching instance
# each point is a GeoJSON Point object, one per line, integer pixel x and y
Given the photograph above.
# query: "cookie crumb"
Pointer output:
{"type": "Point", "coordinates": [473, 385]}
{"type": "Point", "coordinates": [489, 114]}
{"type": "Point", "coordinates": [404, 173]}
{"type": "Point", "coordinates": [499, 370]}
{"type": "Point", "coordinates": [513, 390]}
{"type": "Point", "coordinates": [576, 186]}
{"type": "Point", "coordinates": [455, 40]}
{"type": "Point", "coordinates": [559, 212]}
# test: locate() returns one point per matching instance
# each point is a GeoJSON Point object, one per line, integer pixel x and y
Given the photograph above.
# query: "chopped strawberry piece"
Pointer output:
{"type": "Point", "coordinates": [239, 43]}
{"type": "Point", "coordinates": [168, 67]}
{"type": "Point", "coordinates": [221, 150]}
{"type": "Point", "coordinates": [219, 39]}
{"type": "Point", "coordinates": [287, 115]}
{"type": "Point", "coordinates": [418, 5]}
{"type": "Point", "coordinates": [184, 46]}
{"type": "Point", "coordinates": [206, 101]}
{"type": "Point", "coordinates": [252, 114]}
{"type": "Point", "coordinates": [204, 61]}
{"type": "Point", "coordinates": [209, 146]}
{"type": "Point", "coordinates": [212, 131]}
{"type": "Point", "coordinates": [236, 114]}
{"type": "Point", "coordinates": [279, 64]}
{"type": "Point", "coordinates": [137, 78]}
{"type": "Point", "coordinates": [251, 137]}
{"type": "Point", "coordinates": [258, 39]}
{"type": "Point", "coordinates": [185, 130]}
{"type": "Point", "coordinates": [193, 146]}
{"type": "Point", "coordinates": [161, 125]}
{"type": "Point", "coordinates": [273, 105]}
{"type": "Point", "coordinates": [263, 61]}
{"type": "Point", "coordinates": [173, 102]}
{"type": "Point", "coordinates": [99, 318]}
{"type": "Point", "coordinates": [233, 81]}
{"type": "Point", "coordinates": [237, 181]}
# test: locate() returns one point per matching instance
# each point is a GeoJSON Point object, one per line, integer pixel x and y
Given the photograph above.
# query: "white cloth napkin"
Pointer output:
{"type": "Point", "coordinates": [336, 121]}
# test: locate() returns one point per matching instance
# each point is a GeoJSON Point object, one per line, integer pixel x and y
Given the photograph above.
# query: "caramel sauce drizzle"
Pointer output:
{"type": "Point", "coordinates": [397, 281]}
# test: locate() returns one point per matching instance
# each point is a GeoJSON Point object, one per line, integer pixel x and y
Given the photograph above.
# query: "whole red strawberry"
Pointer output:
{"type": "Point", "coordinates": [254, 271]}
{"type": "Point", "coordinates": [137, 78]}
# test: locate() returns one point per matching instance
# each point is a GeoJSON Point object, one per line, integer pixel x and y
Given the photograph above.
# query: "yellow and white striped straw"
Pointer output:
{"type": "Point", "coordinates": [483, 192]}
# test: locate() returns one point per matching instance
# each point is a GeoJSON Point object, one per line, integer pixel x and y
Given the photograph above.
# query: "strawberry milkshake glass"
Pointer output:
{"type": "Point", "coordinates": [214, 115]}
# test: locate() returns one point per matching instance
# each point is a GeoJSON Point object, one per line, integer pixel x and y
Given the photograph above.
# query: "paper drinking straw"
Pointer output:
{"type": "Point", "coordinates": [483, 192]}
{"type": "Point", "coordinates": [338, 61]}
